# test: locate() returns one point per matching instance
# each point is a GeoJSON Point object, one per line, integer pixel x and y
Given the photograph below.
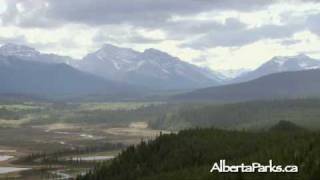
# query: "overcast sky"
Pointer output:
{"type": "Point", "coordinates": [220, 34]}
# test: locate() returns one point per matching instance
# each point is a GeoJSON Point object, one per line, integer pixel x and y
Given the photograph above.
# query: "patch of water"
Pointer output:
{"type": "Point", "coordinates": [5, 170]}
{"type": "Point", "coordinates": [93, 158]}
{"type": "Point", "coordinates": [62, 175]}
{"type": "Point", "coordinates": [7, 151]}
{"type": "Point", "coordinates": [5, 157]}
{"type": "Point", "coordinates": [87, 136]}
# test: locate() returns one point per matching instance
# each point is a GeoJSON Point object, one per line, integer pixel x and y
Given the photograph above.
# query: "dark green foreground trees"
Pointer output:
{"type": "Point", "coordinates": [190, 155]}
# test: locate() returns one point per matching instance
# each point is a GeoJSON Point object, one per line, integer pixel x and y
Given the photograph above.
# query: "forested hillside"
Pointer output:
{"type": "Point", "coordinates": [246, 115]}
{"type": "Point", "coordinates": [190, 154]}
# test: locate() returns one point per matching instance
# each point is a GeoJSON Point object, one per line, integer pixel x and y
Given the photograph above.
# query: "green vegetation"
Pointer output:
{"type": "Point", "coordinates": [9, 115]}
{"type": "Point", "coordinates": [246, 115]}
{"type": "Point", "coordinates": [119, 116]}
{"type": "Point", "coordinates": [62, 156]}
{"type": "Point", "coordinates": [112, 113]}
{"type": "Point", "coordinates": [190, 154]}
{"type": "Point", "coordinates": [47, 135]}
{"type": "Point", "coordinates": [16, 112]}
{"type": "Point", "coordinates": [117, 105]}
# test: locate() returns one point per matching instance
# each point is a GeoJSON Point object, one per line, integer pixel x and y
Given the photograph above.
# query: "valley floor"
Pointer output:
{"type": "Point", "coordinates": [47, 142]}
{"type": "Point", "coordinates": [63, 140]}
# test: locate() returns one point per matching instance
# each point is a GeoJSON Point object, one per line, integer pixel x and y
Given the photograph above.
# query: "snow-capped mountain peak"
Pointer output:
{"type": "Point", "coordinates": [281, 64]}
{"type": "Point", "coordinates": [113, 57]}
{"type": "Point", "coordinates": [151, 67]}
{"type": "Point", "coordinates": [18, 50]}
{"type": "Point", "coordinates": [280, 60]}
{"type": "Point", "coordinates": [299, 57]}
{"type": "Point", "coordinates": [155, 52]}
{"type": "Point", "coordinates": [110, 52]}
{"type": "Point", "coordinates": [30, 54]}
{"type": "Point", "coordinates": [293, 63]}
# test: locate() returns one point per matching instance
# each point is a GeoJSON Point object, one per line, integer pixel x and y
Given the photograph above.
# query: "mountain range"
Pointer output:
{"type": "Point", "coordinates": [151, 68]}
{"type": "Point", "coordinates": [280, 64]}
{"type": "Point", "coordinates": [30, 54]}
{"type": "Point", "coordinates": [114, 70]}
{"type": "Point", "coordinates": [56, 79]}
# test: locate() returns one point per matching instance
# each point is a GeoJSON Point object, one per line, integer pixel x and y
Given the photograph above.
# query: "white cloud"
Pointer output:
{"type": "Point", "coordinates": [235, 35]}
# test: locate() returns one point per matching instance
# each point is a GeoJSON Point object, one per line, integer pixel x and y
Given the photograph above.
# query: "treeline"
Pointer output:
{"type": "Point", "coordinates": [61, 157]}
{"type": "Point", "coordinates": [251, 115]}
{"type": "Point", "coordinates": [190, 154]}
{"type": "Point", "coordinates": [16, 114]}
{"type": "Point", "coordinates": [9, 115]}
{"type": "Point", "coordinates": [146, 113]}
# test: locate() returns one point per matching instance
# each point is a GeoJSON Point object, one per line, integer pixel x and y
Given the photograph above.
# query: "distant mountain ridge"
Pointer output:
{"type": "Point", "coordinates": [18, 50]}
{"type": "Point", "coordinates": [280, 64]}
{"type": "Point", "coordinates": [151, 68]}
{"type": "Point", "coordinates": [53, 79]}
{"type": "Point", "coordinates": [295, 84]}
{"type": "Point", "coordinates": [27, 53]}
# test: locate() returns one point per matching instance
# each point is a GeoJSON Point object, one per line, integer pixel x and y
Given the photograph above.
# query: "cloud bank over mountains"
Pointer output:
{"type": "Point", "coordinates": [220, 31]}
